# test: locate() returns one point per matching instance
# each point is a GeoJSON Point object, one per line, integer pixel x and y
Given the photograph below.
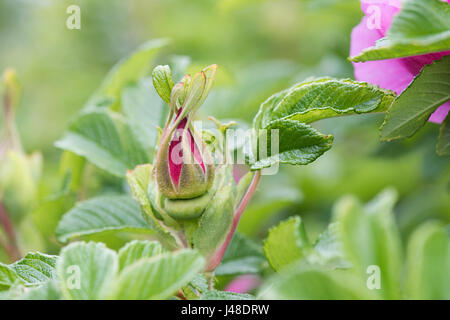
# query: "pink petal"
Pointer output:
{"type": "Point", "coordinates": [243, 284]}
{"type": "Point", "coordinates": [175, 160]}
{"type": "Point", "coordinates": [382, 9]}
{"type": "Point", "coordinates": [392, 74]}
{"type": "Point", "coordinates": [439, 115]}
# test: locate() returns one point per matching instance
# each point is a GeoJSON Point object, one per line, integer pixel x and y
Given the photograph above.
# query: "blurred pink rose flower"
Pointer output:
{"type": "Point", "coordinates": [243, 284]}
{"type": "Point", "coordinates": [392, 74]}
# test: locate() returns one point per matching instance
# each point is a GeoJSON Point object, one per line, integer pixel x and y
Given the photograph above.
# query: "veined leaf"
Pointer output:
{"type": "Point", "coordinates": [313, 100]}
{"type": "Point", "coordinates": [297, 143]}
{"type": "Point", "coordinates": [163, 82]}
{"type": "Point", "coordinates": [225, 295]}
{"type": "Point", "coordinates": [289, 112]}
{"type": "Point", "coordinates": [86, 271]}
{"type": "Point", "coordinates": [286, 243]}
{"type": "Point", "coordinates": [422, 26]}
{"type": "Point", "coordinates": [7, 276]}
{"type": "Point", "coordinates": [411, 110]}
{"type": "Point", "coordinates": [428, 263]}
{"type": "Point", "coordinates": [130, 69]}
{"type": "Point", "coordinates": [102, 214]}
{"type": "Point", "coordinates": [158, 277]}
{"type": "Point", "coordinates": [136, 250]}
{"type": "Point", "coordinates": [35, 268]}
{"type": "Point", "coordinates": [443, 146]}
{"type": "Point", "coordinates": [106, 140]}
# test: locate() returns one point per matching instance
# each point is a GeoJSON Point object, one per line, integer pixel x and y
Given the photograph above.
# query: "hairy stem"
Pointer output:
{"type": "Point", "coordinates": [215, 260]}
{"type": "Point", "coordinates": [11, 247]}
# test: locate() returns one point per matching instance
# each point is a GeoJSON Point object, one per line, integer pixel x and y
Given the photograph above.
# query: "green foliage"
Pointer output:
{"type": "Point", "coordinates": [106, 140]}
{"type": "Point", "coordinates": [314, 285]}
{"type": "Point", "coordinates": [163, 82]}
{"type": "Point", "coordinates": [422, 26]}
{"type": "Point", "coordinates": [102, 214]}
{"type": "Point", "coordinates": [140, 270]}
{"type": "Point", "coordinates": [428, 263]}
{"type": "Point", "coordinates": [139, 180]}
{"type": "Point", "coordinates": [34, 269]}
{"type": "Point", "coordinates": [130, 69]}
{"type": "Point", "coordinates": [291, 234]}
{"type": "Point", "coordinates": [224, 295]}
{"type": "Point", "coordinates": [313, 100]}
{"type": "Point", "coordinates": [86, 271]}
{"type": "Point", "coordinates": [370, 237]}
{"type": "Point", "coordinates": [290, 112]}
{"type": "Point", "coordinates": [158, 277]}
{"type": "Point", "coordinates": [367, 238]}
{"type": "Point", "coordinates": [411, 110]}
{"type": "Point", "coordinates": [243, 256]}
{"type": "Point", "coordinates": [115, 137]}
{"type": "Point", "coordinates": [136, 250]}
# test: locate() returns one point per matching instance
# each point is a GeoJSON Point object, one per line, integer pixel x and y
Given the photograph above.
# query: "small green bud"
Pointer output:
{"type": "Point", "coordinates": [163, 82]}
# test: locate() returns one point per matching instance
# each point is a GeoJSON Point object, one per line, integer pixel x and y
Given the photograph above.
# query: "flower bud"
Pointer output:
{"type": "Point", "coordinates": [184, 168]}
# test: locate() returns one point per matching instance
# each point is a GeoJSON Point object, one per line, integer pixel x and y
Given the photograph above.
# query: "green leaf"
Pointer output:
{"type": "Point", "coordinates": [106, 140]}
{"type": "Point", "coordinates": [428, 263]}
{"type": "Point", "coordinates": [369, 237]}
{"type": "Point", "coordinates": [314, 100]}
{"type": "Point", "coordinates": [86, 271]}
{"type": "Point", "coordinates": [411, 110]}
{"type": "Point", "coordinates": [286, 243]}
{"type": "Point", "coordinates": [47, 291]}
{"type": "Point", "coordinates": [310, 284]}
{"type": "Point", "coordinates": [144, 111]}
{"type": "Point", "coordinates": [196, 287]}
{"type": "Point", "coordinates": [136, 250]}
{"type": "Point", "coordinates": [7, 276]}
{"type": "Point", "coordinates": [163, 82]}
{"type": "Point", "coordinates": [49, 213]}
{"type": "Point", "coordinates": [298, 144]}
{"type": "Point", "coordinates": [138, 180]}
{"type": "Point", "coordinates": [130, 69]}
{"type": "Point", "coordinates": [243, 256]}
{"type": "Point", "coordinates": [35, 268]}
{"type": "Point", "coordinates": [290, 111]}
{"type": "Point", "coordinates": [102, 214]}
{"type": "Point", "coordinates": [443, 146]}
{"type": "Point", "coordinates": [422, 26]}
{"type": "Point", "coordinates": [225, 295]}
{"type": "Point", "coordinates": [328, 249]}
{"type": "Point", "coordinates": [158, 277]}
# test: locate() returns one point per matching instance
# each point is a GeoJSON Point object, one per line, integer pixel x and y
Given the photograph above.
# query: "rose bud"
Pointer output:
{"type": "Point", "coordinates": [184, 168]}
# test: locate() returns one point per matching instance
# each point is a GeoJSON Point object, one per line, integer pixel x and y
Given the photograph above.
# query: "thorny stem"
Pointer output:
{"type": "Point", "coordinates": [218, 255]}
{"type": "Point", "coordinates": [11, 248]}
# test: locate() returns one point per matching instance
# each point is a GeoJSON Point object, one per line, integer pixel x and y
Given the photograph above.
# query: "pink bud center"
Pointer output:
{"type": "Point", "coordinates": [176, 152]}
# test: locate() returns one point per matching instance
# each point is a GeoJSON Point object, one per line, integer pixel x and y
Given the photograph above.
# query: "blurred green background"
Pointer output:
{"type": "Point", "coordinates": [261, 46]}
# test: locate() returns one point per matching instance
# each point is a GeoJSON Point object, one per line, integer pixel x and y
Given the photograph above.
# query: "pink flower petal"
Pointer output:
{"type": "Point", "coordinates": [439, 115]}
{"type": "Point", "coordinates": [384, 10]}
{"type": "Point", "coordinates": [392, 74]}
{"type": "Point", "coordinates": [243, 284]}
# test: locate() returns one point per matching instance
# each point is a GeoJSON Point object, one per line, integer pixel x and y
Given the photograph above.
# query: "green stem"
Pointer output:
{"type": "Point", "coordinates": [215, 260]}
{"type": "Point", "coordinates": [11, 247]}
